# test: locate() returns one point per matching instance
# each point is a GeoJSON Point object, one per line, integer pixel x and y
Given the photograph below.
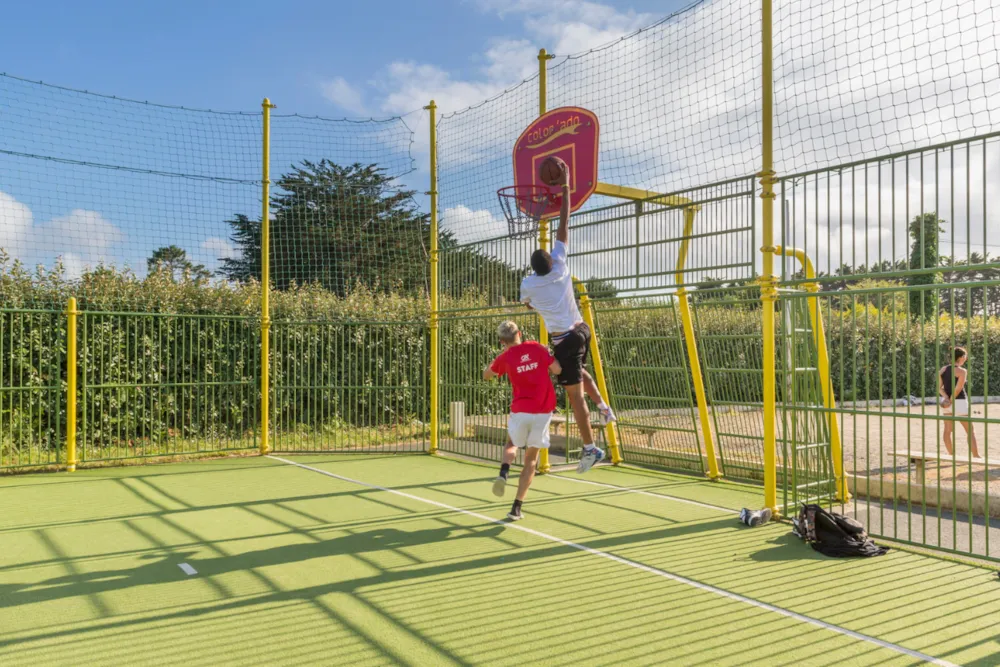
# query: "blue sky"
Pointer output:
{"type": "Point", "coordinates": [679, 104]}
{"type": "Point", "coordinates": [332, 59]}
{"type": "Point", "coordinates": [227, 55]}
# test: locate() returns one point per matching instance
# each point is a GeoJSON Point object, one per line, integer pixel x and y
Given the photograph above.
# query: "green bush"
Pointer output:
{"type": "Point", "coordinates": [177, 361]}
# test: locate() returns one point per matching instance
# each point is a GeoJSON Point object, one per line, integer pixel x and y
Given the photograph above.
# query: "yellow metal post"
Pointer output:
{"type": "Point", "coordinates": [822, 367]}
{"type": "Point", "coordinates": [265, 282]}
{"type": "Point", "coordinates": [768, 283]}
{"type": "Point", "coordinates": [71, 316]}
{"type": "Point", "coordinates": [587, 308]}
{"type": "Point", "coordinates": [434, 322]}
{"type": "Point", "coordinates": [692, 347]}
{"type": "Point", "coordinates": [543, 228]}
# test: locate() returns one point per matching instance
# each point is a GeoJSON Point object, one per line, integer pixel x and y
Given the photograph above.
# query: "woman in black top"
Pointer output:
{"type": "Point", "coordinates": [952, 384]}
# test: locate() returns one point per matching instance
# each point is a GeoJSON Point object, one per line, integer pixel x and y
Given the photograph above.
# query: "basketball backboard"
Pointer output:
{"type": "Point", "coordinates": [568, 133]}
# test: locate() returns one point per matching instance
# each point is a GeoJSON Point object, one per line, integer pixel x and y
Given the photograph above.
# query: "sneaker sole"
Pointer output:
{"type": "Point", "coordinates": [515, 517]}
{"type": "Point", "coordinates": [583, 466]}
{"type": "Point", "coordinates": [499, 485]}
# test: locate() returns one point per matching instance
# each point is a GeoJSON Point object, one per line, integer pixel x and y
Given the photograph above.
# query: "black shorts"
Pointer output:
{"type": "Point", "coordinates": [571, 353]}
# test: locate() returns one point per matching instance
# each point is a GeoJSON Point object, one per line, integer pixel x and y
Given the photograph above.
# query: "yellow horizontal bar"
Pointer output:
{"type": "Point", "coordinates": [635, 194]}
{"type": "Point", "coordinates": [800, 255]}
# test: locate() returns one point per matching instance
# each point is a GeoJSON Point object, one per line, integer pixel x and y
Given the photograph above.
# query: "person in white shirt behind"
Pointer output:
{"type": "Point", "coordinates": [549, 291]}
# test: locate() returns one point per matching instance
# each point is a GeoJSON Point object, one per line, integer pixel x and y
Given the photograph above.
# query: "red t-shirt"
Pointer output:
{"type": "Point", "coordinates": [527, 366]}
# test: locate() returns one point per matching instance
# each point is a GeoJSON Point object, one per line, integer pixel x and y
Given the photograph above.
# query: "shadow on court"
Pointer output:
{"type": "Point", "coordinates": [166, 569]}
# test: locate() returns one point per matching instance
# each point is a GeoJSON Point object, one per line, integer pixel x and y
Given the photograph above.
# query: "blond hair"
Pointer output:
{"type": "Point", "coordinates": [508, 332]}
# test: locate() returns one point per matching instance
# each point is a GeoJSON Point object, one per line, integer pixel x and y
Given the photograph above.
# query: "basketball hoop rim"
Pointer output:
{"type": "Point", "coordinates": [521, 193]}
{"type": "Point", "coordinates": [523, 206]}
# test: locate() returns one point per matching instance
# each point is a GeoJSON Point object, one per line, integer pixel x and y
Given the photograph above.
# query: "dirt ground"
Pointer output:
{"type": "Point", "coordinates": [870, 440]}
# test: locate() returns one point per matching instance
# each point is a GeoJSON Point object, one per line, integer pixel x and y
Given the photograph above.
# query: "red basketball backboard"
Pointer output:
{"type": "Point", "coordinates": [569, 133]}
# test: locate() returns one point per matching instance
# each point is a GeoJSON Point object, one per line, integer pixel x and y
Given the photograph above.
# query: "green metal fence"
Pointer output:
{"type": "Point", "coordinates": [32, 386]}
{"type": "Point", "coordinates": [906, 271]}
{"type": "Point", "coordinates": [154, 385]}
{"type": "Point", "coordinates": [163, 385]}
{"type": "Point", "coordinates": [728, 331]}
{"type": "Point", "coordinates": [648, 375]}
{"type": "Point", "coordinates": [473, 412]}
{"type": "Point", "coordinates": [349, 386]}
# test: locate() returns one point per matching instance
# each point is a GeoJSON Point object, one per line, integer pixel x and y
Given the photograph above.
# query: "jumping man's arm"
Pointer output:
{"type": "Point", "coordinates": [562, 234]}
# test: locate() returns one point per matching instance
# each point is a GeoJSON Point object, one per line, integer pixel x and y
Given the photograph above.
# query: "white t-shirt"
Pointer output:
{"type": "Point", "coordinates": [552, 294]}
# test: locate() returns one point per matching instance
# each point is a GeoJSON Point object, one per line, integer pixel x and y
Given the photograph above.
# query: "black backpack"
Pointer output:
{"type": "Point", "coordinates": [835, 535]}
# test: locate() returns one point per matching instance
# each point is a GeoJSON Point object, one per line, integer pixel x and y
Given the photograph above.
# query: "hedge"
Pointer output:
{"type": "Point", "coordinates": [166, 359]}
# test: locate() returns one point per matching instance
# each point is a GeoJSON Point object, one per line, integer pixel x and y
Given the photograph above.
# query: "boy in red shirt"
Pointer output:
{"type": "Point", "coordinates": [527, 365]}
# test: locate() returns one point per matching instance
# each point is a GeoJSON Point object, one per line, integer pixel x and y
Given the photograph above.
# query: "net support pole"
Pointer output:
{"type": "Point", "coordinates": [71, 366]}
{"type": "Point", "coordinates": [265, 280]}
{"type": "Point", "coordinates": [587, 309]}
{"type": "Point", "coordinates": [434, 321]}
{"type": "Point", "coordinates": [544, 465]}
{"type": "Point", "coordinates": [691, 344]}
{"type": "Point", "coordinates": [768, 282]}
{"type": "Point", "coordinates": [822, 367]}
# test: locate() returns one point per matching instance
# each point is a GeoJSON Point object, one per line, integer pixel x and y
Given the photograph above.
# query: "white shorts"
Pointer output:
{"type": "Point", "coordinates": [959, 408]}
{"type": "Point", "coordinates": [529, 430]}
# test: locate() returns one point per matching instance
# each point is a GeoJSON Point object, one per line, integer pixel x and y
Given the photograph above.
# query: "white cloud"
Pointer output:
{"type": "Point", "coordinates": [215, 249]}
{"type": "Point", "coordinates": [87, 232]}
{"type": "Point", "coordinates": [77, 240]}
{"type": "Point", "coordinates": [219, 248]}
{"type": "Point", "coordinates": [563, 27]}
{"type": "Point", "coordinates": [570, 26]}
{"type": "Point", "coordinates": [469, 224]}
{"type": "Point", "coordinates": [680, 104]}
{"type": "Point", "coordinates": [73, 265]}
{"type": "Point", "coordinates": [15, 224]}
{"type": "Point", "coordinates": [411, 85]}
{"type": "Point", "coordinates": [344, 95]}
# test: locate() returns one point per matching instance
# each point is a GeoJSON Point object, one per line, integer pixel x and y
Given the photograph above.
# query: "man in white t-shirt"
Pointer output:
{"type": "Point", "coordinates": [549, 291]}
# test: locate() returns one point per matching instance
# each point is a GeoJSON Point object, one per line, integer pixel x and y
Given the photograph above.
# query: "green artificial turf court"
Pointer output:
{"type": "Point", "coordinates": [293, 566]}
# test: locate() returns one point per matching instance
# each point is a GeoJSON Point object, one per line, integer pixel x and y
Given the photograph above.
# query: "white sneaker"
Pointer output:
{"type": "Point", "coordinates": [588, 459]}
{"type": "Point", "coordinates": [499, 484]}
{"type": "Point", "coordinates": [607, 416]}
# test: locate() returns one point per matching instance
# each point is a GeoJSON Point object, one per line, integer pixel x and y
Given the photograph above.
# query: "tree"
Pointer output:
{"type": "Point", "coordinates": [925, 231]}
{"type": "Point", "coordinates": [598, 288]}
{"type": "Point", "coordinates": [885, 295]}
{"type": "Point", "coordinates": [743, 294]}
{"type": "Point", "coordinates": [246, 265]}
{"type": "Point", "coordinates": [173, 262]}
{"type": "Point", "coordinates": [971, 301]}
{"type": "Point", "coordinates": [341, 226]}
{"type": "Point", "coordinates": [337, 226]}
{"type": "Point", "coordinates": [466, 268]}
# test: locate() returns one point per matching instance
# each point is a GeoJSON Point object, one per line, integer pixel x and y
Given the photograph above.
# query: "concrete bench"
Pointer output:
{"type": "Point", "coordinates": [921, 459]}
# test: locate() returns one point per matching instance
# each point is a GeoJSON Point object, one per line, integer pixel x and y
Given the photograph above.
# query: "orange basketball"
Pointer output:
{"type": "Point", "coordinates": [551, 170]}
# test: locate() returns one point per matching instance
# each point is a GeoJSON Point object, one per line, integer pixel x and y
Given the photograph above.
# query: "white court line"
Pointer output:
{"type": "Point", "coordinates": [641, 492]}
{"type": "Point", "coordinates": [645, 568]}
{"type": "Point", "coordinates": [187, 569]}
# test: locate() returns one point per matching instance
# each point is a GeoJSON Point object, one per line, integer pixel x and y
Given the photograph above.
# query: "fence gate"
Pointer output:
{"type": "Point", "coordinates": [805, 454]}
